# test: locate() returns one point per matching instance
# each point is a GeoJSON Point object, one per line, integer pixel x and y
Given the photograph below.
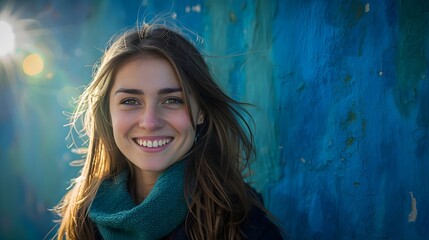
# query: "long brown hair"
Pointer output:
{"type": "Point", "coordinates": [218, 199]}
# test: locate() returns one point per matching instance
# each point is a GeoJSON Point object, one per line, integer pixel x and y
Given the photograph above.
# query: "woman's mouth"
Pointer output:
{"type": "Point", "coordinates": [153, 143]}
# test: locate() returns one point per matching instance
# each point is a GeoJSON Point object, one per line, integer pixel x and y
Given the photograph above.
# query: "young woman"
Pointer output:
{"type": "Point", "coordinates": [166, 149]}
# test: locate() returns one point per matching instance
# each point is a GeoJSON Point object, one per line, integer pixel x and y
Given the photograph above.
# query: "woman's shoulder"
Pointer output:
{"type": "Point", "coordinates": [259, 226]}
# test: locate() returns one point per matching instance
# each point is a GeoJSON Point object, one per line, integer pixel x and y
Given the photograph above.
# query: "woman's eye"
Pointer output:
{"type": "Point", "coordinates": [130, 101]}
{"type": "Point", "coordinates": [173, 101]}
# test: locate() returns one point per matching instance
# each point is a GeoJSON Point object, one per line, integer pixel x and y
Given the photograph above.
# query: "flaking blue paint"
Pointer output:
{"type": "Point", "coordinates": [358, 158]}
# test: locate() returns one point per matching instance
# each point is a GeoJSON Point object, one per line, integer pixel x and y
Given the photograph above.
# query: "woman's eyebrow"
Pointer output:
{"type": "Point", "coordinates": [129, 91]}
{"type": "Point", "coordinates": [140, 92]}
{"type": "Point", "coordinates": [169, 90]}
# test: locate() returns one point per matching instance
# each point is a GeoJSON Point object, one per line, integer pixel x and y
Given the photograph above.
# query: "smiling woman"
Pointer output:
{"type": "Point", "coordinates": [167, 149]}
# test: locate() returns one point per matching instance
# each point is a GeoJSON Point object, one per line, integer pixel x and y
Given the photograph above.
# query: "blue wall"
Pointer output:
{"type": "Point", "coordinates": [342, 95]}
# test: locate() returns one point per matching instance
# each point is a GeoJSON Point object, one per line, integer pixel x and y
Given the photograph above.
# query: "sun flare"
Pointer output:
{"type": "Point", "coordinates": [33, 64]}
{"type": "Point", "coordinates": [7, 40]}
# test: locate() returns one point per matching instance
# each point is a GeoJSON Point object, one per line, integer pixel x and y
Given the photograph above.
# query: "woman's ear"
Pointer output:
{"type": "Point", "coordinates": [200, 119]}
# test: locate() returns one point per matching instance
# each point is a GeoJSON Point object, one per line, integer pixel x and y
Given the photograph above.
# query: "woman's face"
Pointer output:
{"type": "Point", "coordinates": [150, 120]}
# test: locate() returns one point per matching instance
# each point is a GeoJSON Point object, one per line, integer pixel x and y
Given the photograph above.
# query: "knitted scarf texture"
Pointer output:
{"type": "Point", "coordinates": [117, 216]}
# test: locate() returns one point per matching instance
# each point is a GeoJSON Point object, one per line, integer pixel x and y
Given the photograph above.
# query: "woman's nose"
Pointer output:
{"type": "Point", "coordinates": [151, 119]}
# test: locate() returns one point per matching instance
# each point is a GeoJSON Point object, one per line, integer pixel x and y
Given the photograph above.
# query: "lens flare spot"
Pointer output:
{"type": "Point", "coordinates": [49, 75]}
{"type": "Point", "coordinates": [7, 39]}
{"type": "Point", "coordinates": [33, 64]}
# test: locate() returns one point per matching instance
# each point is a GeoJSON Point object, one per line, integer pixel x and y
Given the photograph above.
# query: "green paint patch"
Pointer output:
{"type": "Point", "coordinates": [350, 119]}
{"type": "Point", "coordinates": [411, 59]}
{"type": "Point", "coordinates": [350, 13]}
{"type": "Point", "coordinates": [301, 87]}
{"type": "Point", "coordinates": [358, 8]}
{"type": "Point", "coordinates": [232, 17]}
{"type": "Point", "coordinates": [363, 126]}
{"type": "Point", "coordinates": [350, 141]}
{"type": "Point", "coordinates": [348, 78]}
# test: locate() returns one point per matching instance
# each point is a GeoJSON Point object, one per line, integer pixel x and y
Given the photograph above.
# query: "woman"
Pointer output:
{"type": "Point", "coordinates": [166, 149]}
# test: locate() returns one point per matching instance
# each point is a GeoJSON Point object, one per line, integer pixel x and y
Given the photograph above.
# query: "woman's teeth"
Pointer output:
{"type": "Point", "coordinates": [153, 144]}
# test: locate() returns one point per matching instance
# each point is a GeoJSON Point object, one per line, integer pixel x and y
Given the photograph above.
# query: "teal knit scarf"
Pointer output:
{"type": "Point", "coordinates": [116, 215]}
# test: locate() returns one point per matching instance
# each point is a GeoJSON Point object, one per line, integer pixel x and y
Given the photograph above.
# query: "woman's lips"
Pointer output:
{"type": "Point", "coordinates": [154, 143]}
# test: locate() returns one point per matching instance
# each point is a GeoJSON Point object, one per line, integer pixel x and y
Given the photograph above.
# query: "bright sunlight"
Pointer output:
{"type": "Point", "coordinates": [7, 40]}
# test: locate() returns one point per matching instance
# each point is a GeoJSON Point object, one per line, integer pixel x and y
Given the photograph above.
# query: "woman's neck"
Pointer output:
{"type": "Point", "coordinates": [143, 184]}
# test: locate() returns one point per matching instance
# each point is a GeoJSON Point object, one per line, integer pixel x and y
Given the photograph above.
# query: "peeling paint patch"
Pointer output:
{"type": "Point", "coordinates": [367, 8]}
{"type": "Point", "coordinates": [413, 214]}
{"type": "Point", "coordinates": [196, 8]}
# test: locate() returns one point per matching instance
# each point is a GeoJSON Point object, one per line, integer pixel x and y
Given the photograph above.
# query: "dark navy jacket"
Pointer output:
{"type": "Point", "coordinates": [258, 226]}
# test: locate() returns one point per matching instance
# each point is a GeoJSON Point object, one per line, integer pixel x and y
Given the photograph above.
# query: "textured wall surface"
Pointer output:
{"type": "Point", "coordinates": [341, 90]}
